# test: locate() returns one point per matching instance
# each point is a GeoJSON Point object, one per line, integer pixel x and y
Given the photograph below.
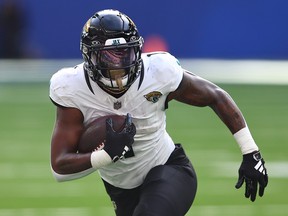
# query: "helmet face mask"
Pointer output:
{"type": "Point", "coordinates": [111, 49]}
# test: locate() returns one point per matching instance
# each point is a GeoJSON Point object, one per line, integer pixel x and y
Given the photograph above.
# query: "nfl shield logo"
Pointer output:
{"type": "Point", "coordinates": [117, 105]}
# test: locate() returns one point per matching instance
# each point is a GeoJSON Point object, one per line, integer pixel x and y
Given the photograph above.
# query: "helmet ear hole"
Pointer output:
{"type": "Point", "coordinates": [110, 42]}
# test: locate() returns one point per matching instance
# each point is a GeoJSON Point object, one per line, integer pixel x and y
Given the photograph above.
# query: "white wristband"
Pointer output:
{"type": "Point", "coordinates": [100, 159]}
{"type": "Point", "coordinates": [245, 141]}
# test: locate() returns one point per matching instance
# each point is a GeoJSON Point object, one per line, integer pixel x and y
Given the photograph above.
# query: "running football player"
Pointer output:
{"type": "Point", "coordinates": [154, 176]}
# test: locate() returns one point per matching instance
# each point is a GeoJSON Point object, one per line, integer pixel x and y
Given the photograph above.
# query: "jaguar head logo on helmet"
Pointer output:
{"type": "Point", "coordinates": [111, 49]}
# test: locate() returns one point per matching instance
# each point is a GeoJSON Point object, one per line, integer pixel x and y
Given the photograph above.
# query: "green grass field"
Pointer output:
{"type": "Point", "coordinates": [27, 187]}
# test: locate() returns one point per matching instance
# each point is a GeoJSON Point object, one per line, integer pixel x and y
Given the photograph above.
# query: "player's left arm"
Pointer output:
{"type": "Point", "coordinates": [196, 91]}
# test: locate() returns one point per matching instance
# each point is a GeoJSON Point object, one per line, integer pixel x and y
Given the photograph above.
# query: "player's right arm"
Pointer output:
{"type": "Point", "coordinates": [66, 163]}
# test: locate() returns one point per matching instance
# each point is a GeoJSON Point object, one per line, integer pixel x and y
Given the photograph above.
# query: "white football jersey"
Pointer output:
{"type": "Point", "coordinates": [144, 100]}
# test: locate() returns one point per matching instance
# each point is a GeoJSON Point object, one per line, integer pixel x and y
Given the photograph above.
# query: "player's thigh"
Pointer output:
{"type": "Point", "coordinates": [124, 200]}
{"type": "Point", "coordinates": [168, 190]}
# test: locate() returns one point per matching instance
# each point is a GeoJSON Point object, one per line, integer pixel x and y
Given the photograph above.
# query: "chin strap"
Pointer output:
{"type": "Point", "coordinates": [87, 79]}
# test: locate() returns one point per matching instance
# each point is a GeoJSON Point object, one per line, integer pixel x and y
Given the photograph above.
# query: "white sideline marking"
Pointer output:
{"type": "Point", "coordinates": [239, 71]}
{"type": "Point", "coordinates": [25, 171]}
{"type": "Point", "coordinates": [276, 169]}
{"type": "Point", "coordinates": [215, 70]}
{"type": "Point", "coordinates": [56, 212]}
{"type": "Point", "coordinates": [238, 210]}
{"type": "Point", "coordinates": [199, 210]}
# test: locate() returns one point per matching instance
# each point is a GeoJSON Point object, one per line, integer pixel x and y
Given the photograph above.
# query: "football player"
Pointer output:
{"type": "Point", "coordinates": [143, 170]}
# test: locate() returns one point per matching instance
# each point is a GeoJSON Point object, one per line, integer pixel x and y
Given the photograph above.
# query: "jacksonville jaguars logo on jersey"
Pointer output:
{"type": "Point", "coordinates": [153, 96]}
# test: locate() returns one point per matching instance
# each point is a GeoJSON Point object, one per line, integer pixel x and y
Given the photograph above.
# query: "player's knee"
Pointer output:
{"type": "Point", "coordinates": [155, 205]}
{"type": "Point", "coordinates": [143, 210]}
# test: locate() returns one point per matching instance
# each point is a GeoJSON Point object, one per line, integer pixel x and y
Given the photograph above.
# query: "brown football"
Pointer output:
{"type": "Point", "coordinates": [94, 132]}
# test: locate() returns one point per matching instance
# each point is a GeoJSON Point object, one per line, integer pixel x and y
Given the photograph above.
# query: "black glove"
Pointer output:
{"type": "Point", "coordinates": [118, 143]}
{"type": "Point", "coordinates": [253, 172]}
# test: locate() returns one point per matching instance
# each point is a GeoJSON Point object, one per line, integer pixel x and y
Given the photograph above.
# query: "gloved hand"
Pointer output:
{"type": "Point", "coordinates": [118, 143]}
{"type": "Point", "coordinates": [253, 172]}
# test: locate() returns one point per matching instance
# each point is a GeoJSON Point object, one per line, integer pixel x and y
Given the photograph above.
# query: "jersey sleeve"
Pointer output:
{"type": "Point", "coordinates": [176, 72]}
{"type": "Point", "coordinates": [169, 71]}
{"type": "Point", "coordinates": [61, 92]}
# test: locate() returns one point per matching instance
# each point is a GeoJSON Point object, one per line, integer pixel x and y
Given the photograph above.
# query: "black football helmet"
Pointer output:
{"type": "Point", "coordinates": [111, 49]}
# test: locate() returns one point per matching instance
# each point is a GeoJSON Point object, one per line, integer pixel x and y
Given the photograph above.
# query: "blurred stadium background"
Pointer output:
{"type": "Point", "coordinates": [240, 45]}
